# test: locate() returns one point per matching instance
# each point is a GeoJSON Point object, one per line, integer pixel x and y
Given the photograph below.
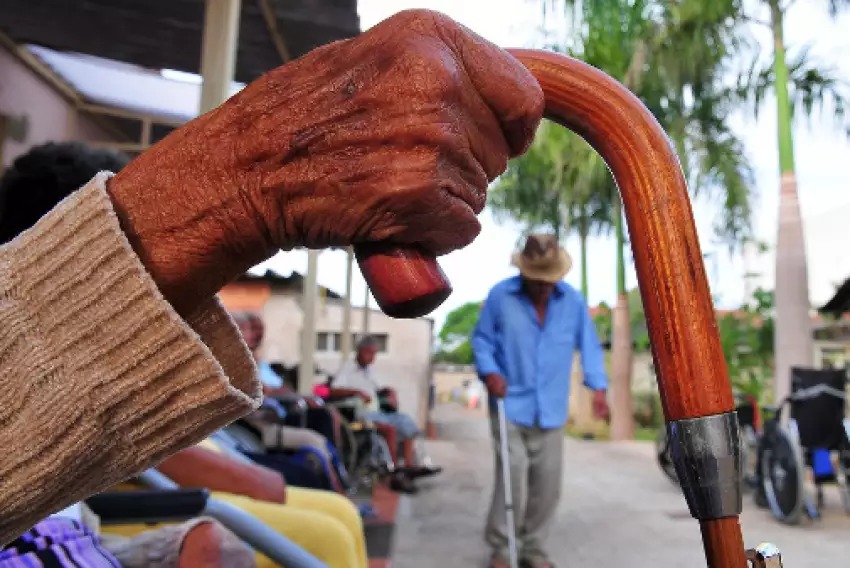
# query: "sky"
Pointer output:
{"type": "Point", "coordinates": [822, 158]}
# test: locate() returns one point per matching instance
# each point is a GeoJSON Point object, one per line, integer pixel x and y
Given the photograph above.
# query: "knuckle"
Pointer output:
{"type": "Point", "coordinates": [433, 70]}
{"type": "Point", "coordinates": [423, 19]}
{"type": "Point", "coordinates": [535, 102]}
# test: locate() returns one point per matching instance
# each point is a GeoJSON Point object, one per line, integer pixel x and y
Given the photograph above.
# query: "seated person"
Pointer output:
{"type": "Point", "coordinates": [325, 524]}
{"type": "Point", "coordinates": [324, 420]}
{"type": "Point", "coordinates": [31, 187]}
{"type": "Point", "coordinates": [302, 455]}
{"type": "Point", "coordinates": [71, 539]}
{"type": "Point", "coordinates": [354, 379]}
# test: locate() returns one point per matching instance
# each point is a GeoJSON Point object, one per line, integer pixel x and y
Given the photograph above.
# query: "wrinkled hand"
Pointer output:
{"type": "Point", "coordinates": [600, 405]}
{"type": "Point", "coordinates": [393, 135]}
{"type": "Point", "coordinates": [496, 385]}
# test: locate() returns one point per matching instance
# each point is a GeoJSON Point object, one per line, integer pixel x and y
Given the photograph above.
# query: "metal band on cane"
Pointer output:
{"type": "Point", "coordinates": [707, 456]}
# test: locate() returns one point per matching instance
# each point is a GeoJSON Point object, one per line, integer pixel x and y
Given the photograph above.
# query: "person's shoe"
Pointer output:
{"type": "Point", "coordinates": [498, 561]}
{"type": "Point", "coordinates": [422, 471]}
{"type": "Point", "coordinates": [402, 484]}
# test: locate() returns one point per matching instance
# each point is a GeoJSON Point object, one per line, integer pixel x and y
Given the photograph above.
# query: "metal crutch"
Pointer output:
{"type": "Point", "coordinates": [506, 481]}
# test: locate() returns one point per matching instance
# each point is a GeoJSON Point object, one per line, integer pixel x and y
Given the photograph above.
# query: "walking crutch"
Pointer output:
{"type": "Point", "coordinates": [506, 481]}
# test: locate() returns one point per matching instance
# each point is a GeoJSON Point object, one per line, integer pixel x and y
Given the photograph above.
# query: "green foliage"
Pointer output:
{"type": "Point", "coordinates": [746, 336]}
{"type": "Point", "coordinates": [455, 335]}
{"type": "Point", "coordinates": [603, 320]}
{"type": "Point", "coordinates": [460, 323]}
{"type": "Point", "coordinates": [604, 323]}
{"type": "Point", "coordinates": [637, 319]}
{"type": "Point", "coordinates": [460, 355]}
{"type": "Point", "coordinates": [813, 86]}
{"type": "Point", "coordinates": [647, 410]}
{"type": "Point", "coordinates": [676, 56]}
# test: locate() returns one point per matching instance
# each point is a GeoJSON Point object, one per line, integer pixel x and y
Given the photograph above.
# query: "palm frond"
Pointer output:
{"type": "Point", "coordinates": [814, 87]}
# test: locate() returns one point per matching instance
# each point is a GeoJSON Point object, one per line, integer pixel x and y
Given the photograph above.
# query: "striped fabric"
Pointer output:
{"type": "Point", "coordinates": [57, 542]}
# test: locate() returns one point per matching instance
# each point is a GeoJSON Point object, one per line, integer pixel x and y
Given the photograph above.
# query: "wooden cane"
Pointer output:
{"type": "Point", "coordinates": [695, 391]}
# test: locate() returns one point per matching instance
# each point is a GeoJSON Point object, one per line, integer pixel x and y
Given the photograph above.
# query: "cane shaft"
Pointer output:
{"type": "Point", "coordinates": [505, 451]}
{"type": "Point", "coordinates": [722, 542]}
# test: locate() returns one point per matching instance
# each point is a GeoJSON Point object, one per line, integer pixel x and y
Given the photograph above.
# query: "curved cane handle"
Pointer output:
{"type": "Point", "coordinates": [406, 282]}
{"type": "Point", "coordinates": [673, 285]}
{"type": "Point", "coordinates": [680, 316]}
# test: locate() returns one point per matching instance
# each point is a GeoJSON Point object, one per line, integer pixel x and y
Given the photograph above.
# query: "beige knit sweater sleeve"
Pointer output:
{"type": "Point", "coordinates": [99, 377]}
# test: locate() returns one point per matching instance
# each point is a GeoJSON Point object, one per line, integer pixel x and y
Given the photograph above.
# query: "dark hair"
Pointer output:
{"type": "Point", "coordinates": [38, 180]}
{"type": "Point", "coordinates": [367, 341]}
{"type": "Point", "coordinates": [247, 317]}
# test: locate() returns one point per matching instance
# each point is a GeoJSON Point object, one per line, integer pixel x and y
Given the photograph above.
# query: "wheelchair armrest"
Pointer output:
{"type": "Point", "coordinates": [290, 402]}
{"type": "Point", "coordinates": [148, 506]}
{"type": "Point", "coordinates": [286, 398]}
{"type": "Point", "coordinates": [361, 426]}
{"type": "Point", "coordinates": [341, 400]}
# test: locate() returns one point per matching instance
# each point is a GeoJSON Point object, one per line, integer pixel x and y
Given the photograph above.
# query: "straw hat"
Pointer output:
{"type": "Point", "coordinates": [542, 259]}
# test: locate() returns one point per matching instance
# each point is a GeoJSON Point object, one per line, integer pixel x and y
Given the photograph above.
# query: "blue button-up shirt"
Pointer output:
{"type": "Point", "coordinates": [536, 360]}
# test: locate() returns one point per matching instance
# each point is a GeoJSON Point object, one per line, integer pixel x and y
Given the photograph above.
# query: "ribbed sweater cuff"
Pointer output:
{"type": "Point", "coordinates": [99, 377]}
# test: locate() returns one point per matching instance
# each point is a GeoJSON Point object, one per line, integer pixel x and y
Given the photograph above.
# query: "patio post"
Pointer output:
{"type": "Point", "coordinates": [366, 313]}
{"type": "Point", "coordinates": [218, 51]}
{"type": "Point", "coordinates": [306, 366]}
{"type": "Point", "coordinates": [345, 344]}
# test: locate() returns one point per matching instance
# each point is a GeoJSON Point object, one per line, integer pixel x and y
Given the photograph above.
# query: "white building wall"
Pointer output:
{"type": "Point", "coordinates": [406, 366]}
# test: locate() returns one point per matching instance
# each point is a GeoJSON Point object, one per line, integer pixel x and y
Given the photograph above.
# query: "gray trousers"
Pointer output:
{"type": "Point", "coordinates": [535, 462]}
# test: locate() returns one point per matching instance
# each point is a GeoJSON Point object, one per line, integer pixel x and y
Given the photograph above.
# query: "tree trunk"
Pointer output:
{"type": "Point", "coordinates": [622, 407]}
{"type": "Point", "coordinates": [793, 337]}
{"type": "Point", "coordinates": [622, 404]}
{"type": "Point", "coordinates": [583, 246]}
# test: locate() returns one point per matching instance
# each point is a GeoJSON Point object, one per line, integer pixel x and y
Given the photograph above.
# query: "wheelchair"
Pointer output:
{"type": "Point", "coordinates": [165, 502]}
{"type": "Point", "coordinates": [296, 407]}
{"type": "Point", "coordinates": [368, 455]}
{"type": "Point", "coordinates": [749, 424]}
{"type": "Point", "coordinates": [374, 459]}
{"type": "Point", "coordinates": [811, 449]}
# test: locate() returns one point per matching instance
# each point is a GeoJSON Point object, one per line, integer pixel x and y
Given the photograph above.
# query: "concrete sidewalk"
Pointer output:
{"type": "Point", "coordinates": [617, 510]}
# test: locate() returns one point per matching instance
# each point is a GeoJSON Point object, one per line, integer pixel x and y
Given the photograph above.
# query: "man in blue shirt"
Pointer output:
{"type": "Point", "coordinates": [529, 328]}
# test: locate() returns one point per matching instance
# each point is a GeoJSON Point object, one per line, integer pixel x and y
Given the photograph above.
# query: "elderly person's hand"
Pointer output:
{"type": "Point", "coordinates": [393, 135]}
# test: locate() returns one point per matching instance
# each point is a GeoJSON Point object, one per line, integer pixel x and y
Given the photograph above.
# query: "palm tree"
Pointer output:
{"type": "Point", "coordinates": [556, 185]}
{"type": "Point", "coordinates": [802, 85]}
{"type": "Point", "coordinates": [672, 56]}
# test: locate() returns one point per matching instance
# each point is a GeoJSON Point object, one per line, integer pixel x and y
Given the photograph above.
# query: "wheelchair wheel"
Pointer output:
{"type": "Point", "coordinates": [782, 474]}
{"type": "Point", "coordinates": [349, 449]}
{"type": "Point", "coordinates": [664, 455]}
{"type": "Point", "coordinates": [844, 467]}
{"type": "Point", "coordinates": [749, 452]}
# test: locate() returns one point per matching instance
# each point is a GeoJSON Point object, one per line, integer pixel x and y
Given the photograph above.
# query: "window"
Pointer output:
{"type": "Point", "coordinates": [382, 340]}
{"type": "Point", "coordinates": [323, 341]}
{"type": "Point", "coordinates": [331, 342]}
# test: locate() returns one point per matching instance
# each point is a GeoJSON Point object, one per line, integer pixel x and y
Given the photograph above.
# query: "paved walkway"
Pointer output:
{"type": "Point", "coordinates": [617, 510]}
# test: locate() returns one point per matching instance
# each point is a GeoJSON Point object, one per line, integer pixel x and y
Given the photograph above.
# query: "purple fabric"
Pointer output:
{"type": "Point", "coordinates": [57, 543]}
